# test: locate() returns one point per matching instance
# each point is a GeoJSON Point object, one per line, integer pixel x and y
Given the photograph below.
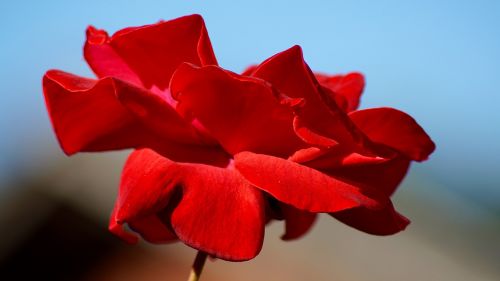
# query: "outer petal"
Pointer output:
{"type": "Point", "coordinates": [104, 60]}
{"type": "Point", "coordinates": [348, 87]}
{"type": "Point", "coordinates": [116, 228]}
{"type": "Point", "coordinates": [243, 113]}
{"type": "Point", "coordinates": [211, 209]}
{"type": "Point", "coordinates": [297, 222]}
{"type": "Point", "coordinates": [319, 115]}
{"type": "Point", "coordinates": [86, 115]}
{"type": "Point", "coordinates": [149, 54]}
{"type": "Point", "coordinates": [151, 228]}
{"type": "Point", "coordinates": [109, 114]}
{"type": "Point", "coordinates": [385, 221]}
{"type": "Point", "coordinates": [384, 176]}
{"type": "Point", "coordinates": [395, 129]}
{"type": "Point", "coordinates": [220, 213]}
{"type": "Point", "coordinates": [381, 174]}
{"type": "Point", "coordinates": [302, 187]}
{"type": "Point", "coordinates": [148, 183]}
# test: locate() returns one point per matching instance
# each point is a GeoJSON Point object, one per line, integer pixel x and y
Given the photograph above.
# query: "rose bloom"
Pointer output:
{"type": "Point", "coordinates": [218, 154]}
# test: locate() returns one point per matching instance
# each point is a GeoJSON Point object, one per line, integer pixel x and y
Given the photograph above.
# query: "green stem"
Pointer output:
{"type": "Point", "coordinates": [197, 268]}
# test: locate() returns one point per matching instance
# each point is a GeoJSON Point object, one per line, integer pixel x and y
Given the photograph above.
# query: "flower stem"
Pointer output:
{"type": "Point", "coordinates": [198, 264]}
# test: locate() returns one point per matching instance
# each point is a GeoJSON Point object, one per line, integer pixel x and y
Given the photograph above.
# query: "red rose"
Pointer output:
{"type": "Point", "coordinates": [219, 154]}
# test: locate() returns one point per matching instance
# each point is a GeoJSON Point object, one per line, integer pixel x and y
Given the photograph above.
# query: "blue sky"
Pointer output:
{"type": "Point", "coordinates": [440, 62]}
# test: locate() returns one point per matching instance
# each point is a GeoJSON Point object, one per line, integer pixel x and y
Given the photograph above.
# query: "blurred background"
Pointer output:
{"type": "Point", "coordinates": [439, 61]}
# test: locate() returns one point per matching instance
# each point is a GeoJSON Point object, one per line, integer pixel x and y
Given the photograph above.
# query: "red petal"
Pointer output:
{"type": "Point", "coordinates": [288, 72]}
{"type": "Point", "coordinates": [148, 183]}
{"type": "Point", "coordinates": [297, 222]}
{"type": "Point", "coordinates": [241, 112]}
{"type": "Point", "coordinates": [395, 129]}
{"type": "Point", "coordinates": [211, 209]}
{"type": "Point", "coordinates": [249, 70]}
{"type": "Point", "coordinates": [157, 114]}
{"type": "Point", "coordinates": [348, 87]}
{"type": "Point", "coordinates": [318, 115]}
{"type": "Point", "coordinates": [302, 187]}
{"type": "Point", "coordinates": [374, 173]}
{"type": "Point", "coordinates": [104, 60]}
{"type": "Point", "coordinates": [220, 213]}
{"type": "Point", "coordinates": [339, 100]}
{"type": "Point", "coordinates": [86, 115]}
{"type": "Point", "coordinates": [310, 136]}
{"type": "Point", "coordinates": [117, 228]}
{"type": "Point", "coordinates": [385, 176]}
{"type": "Point", "coordinates": [385, 221]}
{"type": "Point", "coordinates": [377, 173]}
{"type": "Point", "coordinates": [149, 53]}
{"type": "Point", "coordinates": [153, 230]}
